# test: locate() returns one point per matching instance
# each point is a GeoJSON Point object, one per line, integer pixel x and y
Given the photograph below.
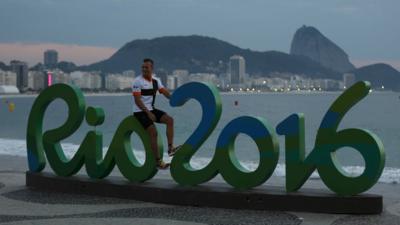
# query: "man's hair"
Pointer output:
{"type": "Point", "coordinates": [148, 60]}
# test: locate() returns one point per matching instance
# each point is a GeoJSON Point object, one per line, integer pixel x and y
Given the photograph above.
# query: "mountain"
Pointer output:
{"type": "Point", "coordinates": [37, 67]}
{"type": "Point", "coordinates": [379, 74]}
{"type": "Point", "coordinates": [67, 67]}
{"type": "Point", "coordinates": [4, 67]}
{"type": "Point", "coordinates": [204, 54]}
{"type": "Point", "coordinates": [308, 41]}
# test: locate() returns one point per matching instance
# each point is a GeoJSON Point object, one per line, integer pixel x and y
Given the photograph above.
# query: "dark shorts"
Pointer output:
{"type": "Point", "coordinates": [145, 120]}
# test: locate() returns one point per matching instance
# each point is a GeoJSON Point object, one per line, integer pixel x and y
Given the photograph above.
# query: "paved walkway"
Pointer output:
{"type": "Point", "coordinates": [20, 205]}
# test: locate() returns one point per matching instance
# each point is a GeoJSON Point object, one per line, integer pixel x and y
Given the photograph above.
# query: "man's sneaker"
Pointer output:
{"type": "Point", "coordinates": [172, 151]}
{"type": "Point", "coordinates": [161, 165]}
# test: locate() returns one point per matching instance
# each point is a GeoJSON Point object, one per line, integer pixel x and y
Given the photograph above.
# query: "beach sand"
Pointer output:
{"type": "Point", "coordinates": [21, 205]}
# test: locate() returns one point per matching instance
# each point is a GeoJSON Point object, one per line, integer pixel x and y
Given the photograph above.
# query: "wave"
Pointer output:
{"type": "Point", "coordinates": [14, 147]}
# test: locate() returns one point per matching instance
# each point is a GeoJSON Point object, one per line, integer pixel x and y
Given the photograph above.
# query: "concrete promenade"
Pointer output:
{"type": "Point", "coordinates": [20, 205]}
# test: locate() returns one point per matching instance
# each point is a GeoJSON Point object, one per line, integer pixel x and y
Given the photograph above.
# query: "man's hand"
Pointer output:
{"type": "Point", "coordinates": [151, 116]}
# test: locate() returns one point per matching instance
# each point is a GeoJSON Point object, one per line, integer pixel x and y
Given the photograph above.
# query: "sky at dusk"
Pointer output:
{"type": "Point", "coordinates": [86, 31]}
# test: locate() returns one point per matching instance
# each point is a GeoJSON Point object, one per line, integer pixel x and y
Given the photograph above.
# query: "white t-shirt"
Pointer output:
{"type": "Point", "coordinates": [139, 84]}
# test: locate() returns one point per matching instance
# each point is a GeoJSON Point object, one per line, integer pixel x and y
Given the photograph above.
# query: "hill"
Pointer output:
{"type": "Point", "coordinates": [309, 41]}
{"type": "Point", "coordinates": [204, 54]}
{"type": "Point", "coordinates": [379, 75]}
{"type": "Point", "coordinates": [4, 67]}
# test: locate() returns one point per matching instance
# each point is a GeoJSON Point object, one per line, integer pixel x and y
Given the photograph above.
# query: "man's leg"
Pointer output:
{"type": "Point", "coordinates": [169, 121]}
{"type": "Point", "coordinates": [148, 124]}
{"type": "Point", "coordinates": [153, 140]}
{"type": "Point", "coordinates": [154, 147]}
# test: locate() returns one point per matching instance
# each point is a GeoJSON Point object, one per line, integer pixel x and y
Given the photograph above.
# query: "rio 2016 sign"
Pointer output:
{"type": "Point", "coordinates": [298, 167]}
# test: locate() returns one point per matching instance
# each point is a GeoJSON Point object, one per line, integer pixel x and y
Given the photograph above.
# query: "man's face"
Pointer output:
{"type": "Point", "coordinates": [147, 69]}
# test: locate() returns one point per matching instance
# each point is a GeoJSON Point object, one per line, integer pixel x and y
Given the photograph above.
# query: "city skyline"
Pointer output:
{"type": "Point", "coordinates": [236, 79]}
{"type": "Point", "coordinates": [86, 55]}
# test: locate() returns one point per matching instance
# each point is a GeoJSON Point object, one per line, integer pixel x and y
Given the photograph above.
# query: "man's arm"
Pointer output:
{"type": "Point", "coordinates": [136, 92]}
{"type": "Point", "coordinates": [140, 104]}
{"type": "Point", "coordinates": [165, 92]}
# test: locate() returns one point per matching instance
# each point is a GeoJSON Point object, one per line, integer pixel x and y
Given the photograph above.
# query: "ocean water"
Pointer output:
{"type": "Point", "coordinates": [378, 112]}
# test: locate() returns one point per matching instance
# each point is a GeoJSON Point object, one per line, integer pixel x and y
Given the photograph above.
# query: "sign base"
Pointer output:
{"type": "Point", "coordinates": [210, 195]}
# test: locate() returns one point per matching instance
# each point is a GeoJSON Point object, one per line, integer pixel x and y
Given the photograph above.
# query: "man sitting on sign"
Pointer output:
{"type": "Point", "coordinates": [144, 91]}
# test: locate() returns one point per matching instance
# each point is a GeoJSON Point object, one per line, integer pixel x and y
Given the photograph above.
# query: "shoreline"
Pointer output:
{"type": "Point", "coordinates": [5, 96]}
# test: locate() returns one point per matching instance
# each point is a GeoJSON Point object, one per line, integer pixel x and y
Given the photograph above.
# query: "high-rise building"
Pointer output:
{"type": "Point", "coordinates": [118, 81]}
{"type": "Point", "coordinates": [204, 77]}
{"type": "Point", "coordinates": [58, 76]}
{"type": "Point", "coordinates": [36, 80]}
{"type": "Point", "coordinates": [103, 78]}
{"type": "Point", "coordinates": [21, 69]}
{"type": "Point", "coordinates": [129, 73]}
{"type": "Point", "coordinates": [348, 79]}
{"type": "Point", "coordinates": [50, 59]}
{"type": "Point", "coordinates": [182, 77]}
{"type": "Point", "coordinates": [237, 70]}
{"type": "Point", "coordinates": [8, 78]}
{"type": "Point", "coordinates": [86, 80]}
{"type": "Point", "coordinates": [163, 75]}
{"type": "Point", "coordinates": [172, 82]}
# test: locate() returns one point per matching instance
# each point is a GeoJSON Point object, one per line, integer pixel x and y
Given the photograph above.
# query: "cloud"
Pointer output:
{"type": "Point", "coordinates": [346, 9]}
{"type": "Point", "coordinates": [33, 53]}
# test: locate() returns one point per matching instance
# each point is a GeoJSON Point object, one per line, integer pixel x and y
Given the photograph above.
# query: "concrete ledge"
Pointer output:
{"type": "Point", "coordinates": [210, 195]}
